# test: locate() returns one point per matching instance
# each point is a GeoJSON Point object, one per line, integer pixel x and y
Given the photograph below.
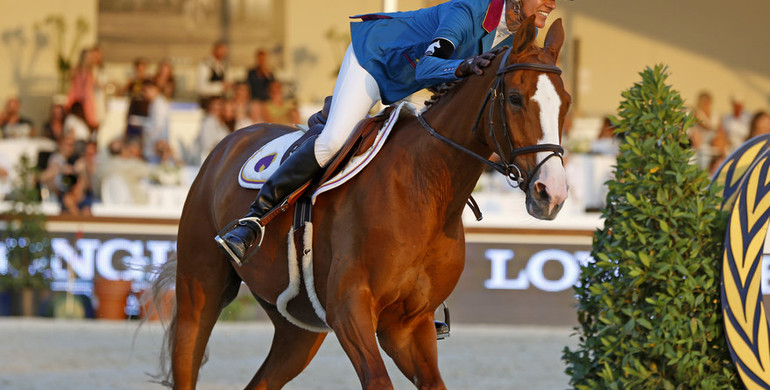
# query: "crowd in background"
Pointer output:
{"type": "Point", "coordinates": [79, 169]}
{"type": "Point", "coordinates": [714, 137]}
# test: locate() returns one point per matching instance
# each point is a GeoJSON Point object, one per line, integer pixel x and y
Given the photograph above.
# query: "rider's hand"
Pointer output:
{"type": "Point", "coordinates": [474, 65]}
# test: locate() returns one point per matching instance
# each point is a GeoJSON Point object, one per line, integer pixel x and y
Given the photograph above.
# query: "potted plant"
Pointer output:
{"type": "Point", "coordinates": [27, 243]}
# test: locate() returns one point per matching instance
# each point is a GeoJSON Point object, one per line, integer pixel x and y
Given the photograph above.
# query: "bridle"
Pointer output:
{"type": "Point", "coordinates": [497, 94]}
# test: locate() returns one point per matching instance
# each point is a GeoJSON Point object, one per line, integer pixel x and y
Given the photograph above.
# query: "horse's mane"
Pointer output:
{"type": "Point", "coordinates": [439, 91]}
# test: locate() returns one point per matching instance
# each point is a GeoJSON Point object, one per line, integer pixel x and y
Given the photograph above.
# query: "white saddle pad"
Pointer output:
{"type": "Point", "coordinates": [266, 160]}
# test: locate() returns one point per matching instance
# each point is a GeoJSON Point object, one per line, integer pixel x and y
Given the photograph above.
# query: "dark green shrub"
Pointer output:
{"type": "Point", "coordinates": [648, 306]}
{"type": "Point", "coordinates": [26, 240]}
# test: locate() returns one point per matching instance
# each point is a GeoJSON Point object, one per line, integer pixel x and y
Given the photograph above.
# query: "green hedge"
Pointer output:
{"type": "Point", "coordinates": [648, 305]}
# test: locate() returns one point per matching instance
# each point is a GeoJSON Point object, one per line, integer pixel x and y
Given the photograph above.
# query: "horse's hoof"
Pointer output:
{"type": "Point", "coordinates": [442, 330]}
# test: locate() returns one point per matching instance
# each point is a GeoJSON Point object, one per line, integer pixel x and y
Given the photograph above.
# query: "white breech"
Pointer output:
{"type": "Point", "coordinates": [355, 93]}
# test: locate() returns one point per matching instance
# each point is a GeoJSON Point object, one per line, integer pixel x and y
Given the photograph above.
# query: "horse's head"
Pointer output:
{"type": "Point", "coordinates": [531, 98]}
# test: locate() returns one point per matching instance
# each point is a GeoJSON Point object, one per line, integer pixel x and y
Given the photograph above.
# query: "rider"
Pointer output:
{"type": "Point", "coordinates": [392, 55]}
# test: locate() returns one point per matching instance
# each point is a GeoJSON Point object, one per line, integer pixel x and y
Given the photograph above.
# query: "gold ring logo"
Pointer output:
{"type": "Point", "coordinates": [746, 180]}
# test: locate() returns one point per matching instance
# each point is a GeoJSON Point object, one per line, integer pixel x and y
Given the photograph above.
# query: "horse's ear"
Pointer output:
{"type": "Point", "coordinates": [525, 36]}
{"type": "Point", "coordinates": [555, 38]}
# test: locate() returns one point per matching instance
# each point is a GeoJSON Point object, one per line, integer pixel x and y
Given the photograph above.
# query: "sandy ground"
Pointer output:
{"type": "Point", "coordinates": [56, 354]}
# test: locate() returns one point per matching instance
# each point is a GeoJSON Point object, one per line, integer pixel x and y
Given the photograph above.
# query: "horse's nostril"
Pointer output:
{"type": "Point", "coordinates": [542, 191]}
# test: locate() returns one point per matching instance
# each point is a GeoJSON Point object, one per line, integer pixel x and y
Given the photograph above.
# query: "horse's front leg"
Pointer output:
{"type": "Point", "coordinates": [350, 315]}
{"type": "Point", "coordinates": [412, 345]}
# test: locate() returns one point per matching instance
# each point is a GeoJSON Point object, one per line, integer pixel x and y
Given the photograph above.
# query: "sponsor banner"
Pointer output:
{"type": "Point", "coordinates": [510, 277]}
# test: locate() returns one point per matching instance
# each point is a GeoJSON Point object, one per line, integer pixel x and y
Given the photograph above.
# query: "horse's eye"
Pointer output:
{"type": "Point", "coordinates": [515, 100]}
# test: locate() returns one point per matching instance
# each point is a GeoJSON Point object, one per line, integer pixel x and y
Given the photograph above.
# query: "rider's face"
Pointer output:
{"type": "Point", "coordinates": [539, 8]}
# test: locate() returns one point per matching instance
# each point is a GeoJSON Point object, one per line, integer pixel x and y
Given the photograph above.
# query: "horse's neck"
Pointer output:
{"type": "Point", "coordinates": [448, 172]}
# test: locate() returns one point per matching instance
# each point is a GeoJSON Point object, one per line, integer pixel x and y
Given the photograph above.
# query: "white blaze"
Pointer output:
{"type": "Point", "coordinates": [552, 173]}
{"type": "Point", "coordinates": [550, 103]}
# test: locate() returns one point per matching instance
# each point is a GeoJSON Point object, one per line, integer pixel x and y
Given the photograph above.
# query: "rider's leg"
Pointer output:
{"type": "Point", "coordinates": [355, 93]}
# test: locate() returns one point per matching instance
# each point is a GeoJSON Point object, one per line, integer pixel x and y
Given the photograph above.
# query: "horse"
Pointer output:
{"type": "Point", "coordinates": [389, 244]}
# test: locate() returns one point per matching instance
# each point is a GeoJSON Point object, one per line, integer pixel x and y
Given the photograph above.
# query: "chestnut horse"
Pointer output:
{"type": "Point", "coordinates": [389, 245]}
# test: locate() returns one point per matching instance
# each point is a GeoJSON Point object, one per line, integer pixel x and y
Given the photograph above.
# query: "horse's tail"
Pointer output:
{"type": "Point", "coordinates": [155, 300]}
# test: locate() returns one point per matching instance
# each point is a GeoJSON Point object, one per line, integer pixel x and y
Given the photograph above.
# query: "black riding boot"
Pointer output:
{"type": "Point", "coordinates": [300, 167]}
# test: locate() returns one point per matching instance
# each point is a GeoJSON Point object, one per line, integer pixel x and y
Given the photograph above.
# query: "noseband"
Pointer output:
{"type": "Point", "coordinates": [497, 94]}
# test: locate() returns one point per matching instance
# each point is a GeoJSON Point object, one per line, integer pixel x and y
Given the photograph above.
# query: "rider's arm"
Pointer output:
{"type": "Point", "coordinates": [437, 65]}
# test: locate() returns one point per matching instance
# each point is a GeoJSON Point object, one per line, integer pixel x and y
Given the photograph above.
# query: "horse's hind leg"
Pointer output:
{"type": "Point", "coordinates": [206, 282]}
{"type": "Point", "coordinates": [412, 346]}
{"type": "Point", "coordinates": [291, 351]}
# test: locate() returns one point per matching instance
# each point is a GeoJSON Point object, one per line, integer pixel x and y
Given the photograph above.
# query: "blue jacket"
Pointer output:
{"type": "Point", "coordinates": [391, 46]}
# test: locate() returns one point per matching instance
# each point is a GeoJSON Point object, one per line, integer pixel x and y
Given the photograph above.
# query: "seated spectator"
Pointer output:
{"type": "Point", "coordinates": [54, 127]}
{"type": "Point", "coordinates": [167, 167]}
{"type": "Point", "coordinates": [76, 127]}
{"type": "Point", "coordinates": [228, 114]}
{"type": "Point", "coordinates": [124, 176]}
{"type": "Point", "coordinates": [256, 114]}
{"type": "Point", "coordinates": [241, 99]}
{"type": "Point", "coordinates": [213, 129]}
{"type": "Point", "coordinates": [278, 109]}
{"type": "Point", "coordinates": [156, 127]}
{"type": "Point", "coordinates": [164, 79]}
{"type": "Point", "coordinates": [59, 172]}
{"type": "Point", "coordinates": [12, 124]}
{"type": "Point", "coordinates": [760, 124]}
{"type": "Point", "coordinates": [77, 200]}
{"type": "Point", "coordinates": [736, 125]}
{"type": "Point", "coordinates": [606, 142]}
{"type": "Point", "coordinates": [86, 168]}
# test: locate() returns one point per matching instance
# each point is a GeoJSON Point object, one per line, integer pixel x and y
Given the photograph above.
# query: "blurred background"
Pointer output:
{"type": "Point", "coordinates": [116, 103]}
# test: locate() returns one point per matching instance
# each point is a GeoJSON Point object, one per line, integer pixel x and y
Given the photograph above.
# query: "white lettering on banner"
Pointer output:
{"type": "Point", "coordinates": [91, 256]}
{"type": "Point", "coordinates": [499, 278]}
{"type": "Point", "coordinates": [533, 272]}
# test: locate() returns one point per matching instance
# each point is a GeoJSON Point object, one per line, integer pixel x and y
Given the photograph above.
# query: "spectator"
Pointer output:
{"type": "Point", "coordinates": [256, 114]}
{"type": "Point", "coordinates": [212, 128]}
{"type": "Point", "coordinates": [705, 129]}
{"type": "Point", "coordinates": [86, 169]}
{"type": "Point", "coordinates": [125, 175]}
{"type": "Point", "coordinates": [59, 172]}
{"type": "Point", "coordinates": [736, 125]}
{"type": "Point", "coordinates": [228, 114]}
{"type": "Point", "coordinates": [241, 99]}
{"type": "Point", "coordinates": [278, 109]}
{"type": "Point", "coordinates": [212, 73]}
{"type": "Point", "coordinates": [606, 142]}
{"type": "Point", "coordinates": [138, 107]}
{"type": "Point", "coordinates": [164, 79]}
{"type": "Point", "coordinates": [167, 167]}
{"type": "Point", "coordinates": [54, 127]}
{"type": "Point", "coordinates": [82, 88]}
{"type": "Point", "coordinates": [12, 124]}
{"type": "Point", "coordinates": [260, 77]}
{"type": "Point", "coordinates": [760, 124]}
{"type": "Point", "coordinates": [100, 83]}
{"type": "Point", "coordinates": [75, 126]}
{"type": "Point", "coordinates": [77, 200]}
{"type": "Point", "coordinates": [156, 127]}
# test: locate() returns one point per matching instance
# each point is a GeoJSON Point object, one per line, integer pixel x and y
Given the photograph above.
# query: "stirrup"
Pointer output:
{"type": "Point", "coordinates": [223, 244]}
{"type": "Point", "coordinates": [257, 221]}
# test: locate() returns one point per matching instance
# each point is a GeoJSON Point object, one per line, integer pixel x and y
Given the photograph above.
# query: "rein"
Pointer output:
{"type": "Point", "coordinates": [497, 94]}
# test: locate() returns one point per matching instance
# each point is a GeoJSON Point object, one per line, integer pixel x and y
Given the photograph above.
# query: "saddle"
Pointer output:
{"type": "Point", "coordinates": [360, 140]}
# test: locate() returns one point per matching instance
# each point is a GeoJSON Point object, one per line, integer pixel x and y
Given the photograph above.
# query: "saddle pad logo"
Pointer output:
{"type": "Point", "coordinates": [265, 161]}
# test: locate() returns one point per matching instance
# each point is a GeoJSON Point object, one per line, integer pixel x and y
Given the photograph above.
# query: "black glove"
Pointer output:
{"type": "Point", "coordinates": [474, 65]}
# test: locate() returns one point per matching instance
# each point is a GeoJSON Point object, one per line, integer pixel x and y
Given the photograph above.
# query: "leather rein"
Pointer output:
{"type": "Point", "coordinates": [497, 95]}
